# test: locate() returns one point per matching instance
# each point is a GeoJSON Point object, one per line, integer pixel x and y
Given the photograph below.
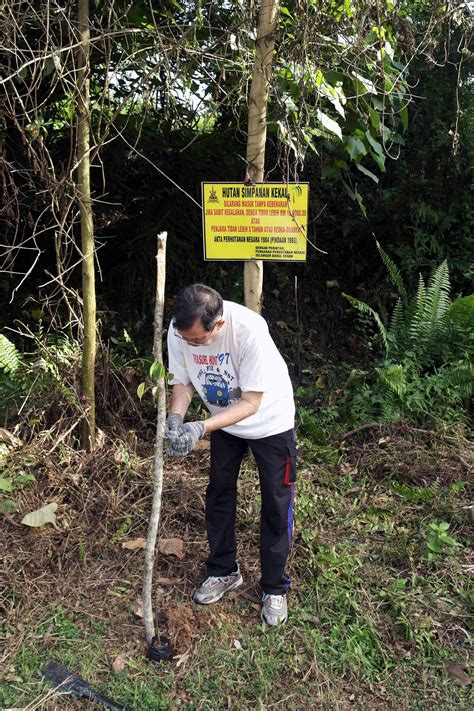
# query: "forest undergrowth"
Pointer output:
{"type": "Point", "coordinates": [381, 569]}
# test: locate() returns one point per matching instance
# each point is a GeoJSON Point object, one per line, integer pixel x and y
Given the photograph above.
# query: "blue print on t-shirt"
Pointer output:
{"type": "Point", "coordinates": [216, 389]}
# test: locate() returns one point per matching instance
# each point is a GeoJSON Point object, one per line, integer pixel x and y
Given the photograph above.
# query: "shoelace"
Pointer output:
{"type": "Point", "coordinates": [212, 580]}
{"type": "Point", "coordinates": [276, 601]}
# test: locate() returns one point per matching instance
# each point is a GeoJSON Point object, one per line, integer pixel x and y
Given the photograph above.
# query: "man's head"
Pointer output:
{"type": "Point", "coordinates": [197, 314]}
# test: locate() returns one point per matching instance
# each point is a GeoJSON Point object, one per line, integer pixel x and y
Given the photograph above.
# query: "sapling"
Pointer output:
{"type": "Point", "coordinates": [158, 646]}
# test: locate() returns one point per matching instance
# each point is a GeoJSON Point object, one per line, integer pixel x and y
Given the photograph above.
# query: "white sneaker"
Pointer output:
{"type": "Point", "coordinates": [274, 609]}
{"type": "Point", "coordinates": [213, 588]}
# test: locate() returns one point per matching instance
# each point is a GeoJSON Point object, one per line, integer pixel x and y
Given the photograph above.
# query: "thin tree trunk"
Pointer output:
{"type": "Point", "coordinates": [257, 130]}
{"type": "Point", "coordinates": [158, 463]}
{"type": "Point", "coordinates": [87, 230]}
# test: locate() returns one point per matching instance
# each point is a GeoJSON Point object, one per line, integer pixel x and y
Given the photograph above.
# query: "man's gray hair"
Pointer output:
{"type": "Point", "coordinates": [197, 301]}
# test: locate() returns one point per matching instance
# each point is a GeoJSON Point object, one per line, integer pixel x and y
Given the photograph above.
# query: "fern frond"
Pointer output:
{"type": "Point", "coordinates": [437, 301]}
{"type": "Point", "coordinates": [390, 408]}
{"type": "Point", "coordinates": [394, 377]}
{"type": "Point", "coordinates": [416, 324]}
{"type": "Point", "coordinates": [393, 272]}
{"type": "Point", "coordinates": [10, 357]}
{"type": "Point", "coordinates": [397, 330]}
{"type": "Point", "coordinates": [365, 309]}
{"type": "Point", "coordinates": [462, 376]}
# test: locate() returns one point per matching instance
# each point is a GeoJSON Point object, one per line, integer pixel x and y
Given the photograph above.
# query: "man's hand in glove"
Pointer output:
{"type": "Point", "coordinates": [173, 423]}
{"type": "Point", "coordinates": [182, 440]}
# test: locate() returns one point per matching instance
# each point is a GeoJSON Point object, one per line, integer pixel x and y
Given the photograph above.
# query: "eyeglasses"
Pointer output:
{"type": "Point", "coordinates": [199, 342]}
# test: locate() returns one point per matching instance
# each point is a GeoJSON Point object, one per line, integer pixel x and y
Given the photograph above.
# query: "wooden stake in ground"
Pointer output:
{"type": "Point", "coordinates": [150, 632]}
{"type": "Point", "coordinates": [257, 131]}
{"type": "Point", "coordinates": [87, 228]}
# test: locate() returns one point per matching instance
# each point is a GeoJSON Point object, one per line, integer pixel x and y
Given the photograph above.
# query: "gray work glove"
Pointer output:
{"type": "Point", "coordinates": [173, 423]}
{"type": "Point", "coordinates": [182, 440]}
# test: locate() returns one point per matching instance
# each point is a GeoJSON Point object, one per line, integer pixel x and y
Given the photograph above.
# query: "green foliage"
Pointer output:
{"type": "Point", "coordinates": [362, 112]}
{"type": "Point", "coordinates": [394, 274]}
{"type": "Point", "coordinates": [157, 371]}
{"type": "Point", "coordinates": [14, 477]}
{"type": "Point", "coordinates": [427, 370]}
{"type": "Point", "coordinates": [461, 314]}
{"type": "Point", "coordinates": [420, 328]}
{"type": "Point", "coordinates": [425, 211]}
{"type": "Point", "coordinates": [366, 309]}
{"type": "Point", "coordinates": [10, 358]}
{"type": "Point", "coordinates": [27, 377]}
{"type": "Point", "coordinates": [438, 542]}
{"type": "Point", "coordinates": [13, 378]}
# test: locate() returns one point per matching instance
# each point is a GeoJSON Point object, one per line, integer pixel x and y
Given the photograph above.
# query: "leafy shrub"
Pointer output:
{"type": "Point", "coordinates": [25, 377]}
{"type": "Point", "coordinates": [438, 542]}
{"type": "Point", "coordinates": [427, 369]}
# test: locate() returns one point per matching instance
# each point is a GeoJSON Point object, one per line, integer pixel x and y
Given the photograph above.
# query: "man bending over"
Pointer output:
{"type": "Point", "coordinates": [224, 352]}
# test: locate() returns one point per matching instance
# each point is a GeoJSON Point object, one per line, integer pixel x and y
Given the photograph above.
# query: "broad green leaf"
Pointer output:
{"type": "Point", "coordinates": [366, 83]}
{"type": "Point", "coordinates": [307, 135]}
{"type": "Point", "coordinates": [285, 73]}
{"type": "Point", "coordinates": [386, 133]}
{"type": "Point", "coordinates": [349, 190]}
{"type": "Point", "coordinates": [360, 201]}
{"type": "Point", "coordinates": [398, 140]}
{"type": "Point", "coordinates": [290, 105]}
{"type": "Point", "coordinates": [330, 172]}
{"type": "Point", "coordinates": [24, 478]}
{"type": "Point", "coordinates": [286, 12]}
{"type": "Point", "coordinates": [367, 172]}
{"type": "Point", "coordinates": [6, 484]}
{"type": "Point", "coordinates": [157, 370]}
{"type": "Point", "coordinates": [348, 9]}
{"type": "Point", "coordinates": [404, 117]}
{"type": "Point", "coordinates": [374, 144]}
{"type": "Point", "coordinates": [380, 160]}
{"type": "Point", "coordinates": [374, 118]}
{"type": "Point", "coordinates": [389, 49]}
{"type": "Point", "coordinates": [141, 390]}
{"type": "Point", "coordinates": [337, 105]}
{"type": "Point", "coordinates": [355, 147]}
{"type": "Point", "coordinates": [40, 517]}
{"type": "Point", "coordinates": [7, 506]}
{"type": "Point", "coordinates": [330, 124]}
{"type": "Point", "coordinates": [334, 95]}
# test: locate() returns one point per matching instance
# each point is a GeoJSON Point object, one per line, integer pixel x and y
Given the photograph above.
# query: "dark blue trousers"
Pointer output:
{"type": "Point", "coordinates": [276, 462]}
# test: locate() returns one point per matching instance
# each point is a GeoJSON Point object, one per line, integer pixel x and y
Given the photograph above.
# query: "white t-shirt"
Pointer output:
{"type": "Point", "coordinates": [241, 358]}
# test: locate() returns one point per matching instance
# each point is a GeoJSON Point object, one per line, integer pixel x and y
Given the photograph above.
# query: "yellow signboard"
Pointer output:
{"type": "Point", "coordinates": [265, 221]}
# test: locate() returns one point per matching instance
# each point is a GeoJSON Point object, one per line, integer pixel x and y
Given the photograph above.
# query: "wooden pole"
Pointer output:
{"type": "Point", "coordinates": [87, 230]}
{"type": "Point", "coordinates": [257, 131]}
{"type": "Point", "coordinates": [158, 461]}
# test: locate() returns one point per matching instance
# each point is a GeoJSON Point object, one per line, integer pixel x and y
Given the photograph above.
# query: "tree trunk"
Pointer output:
{"type": "Point", "coordinates": [87, 229]}
{"type": "Point", "coordinates": [257, 130]}
{"type": "Point", "coordinates": [158, 462]}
